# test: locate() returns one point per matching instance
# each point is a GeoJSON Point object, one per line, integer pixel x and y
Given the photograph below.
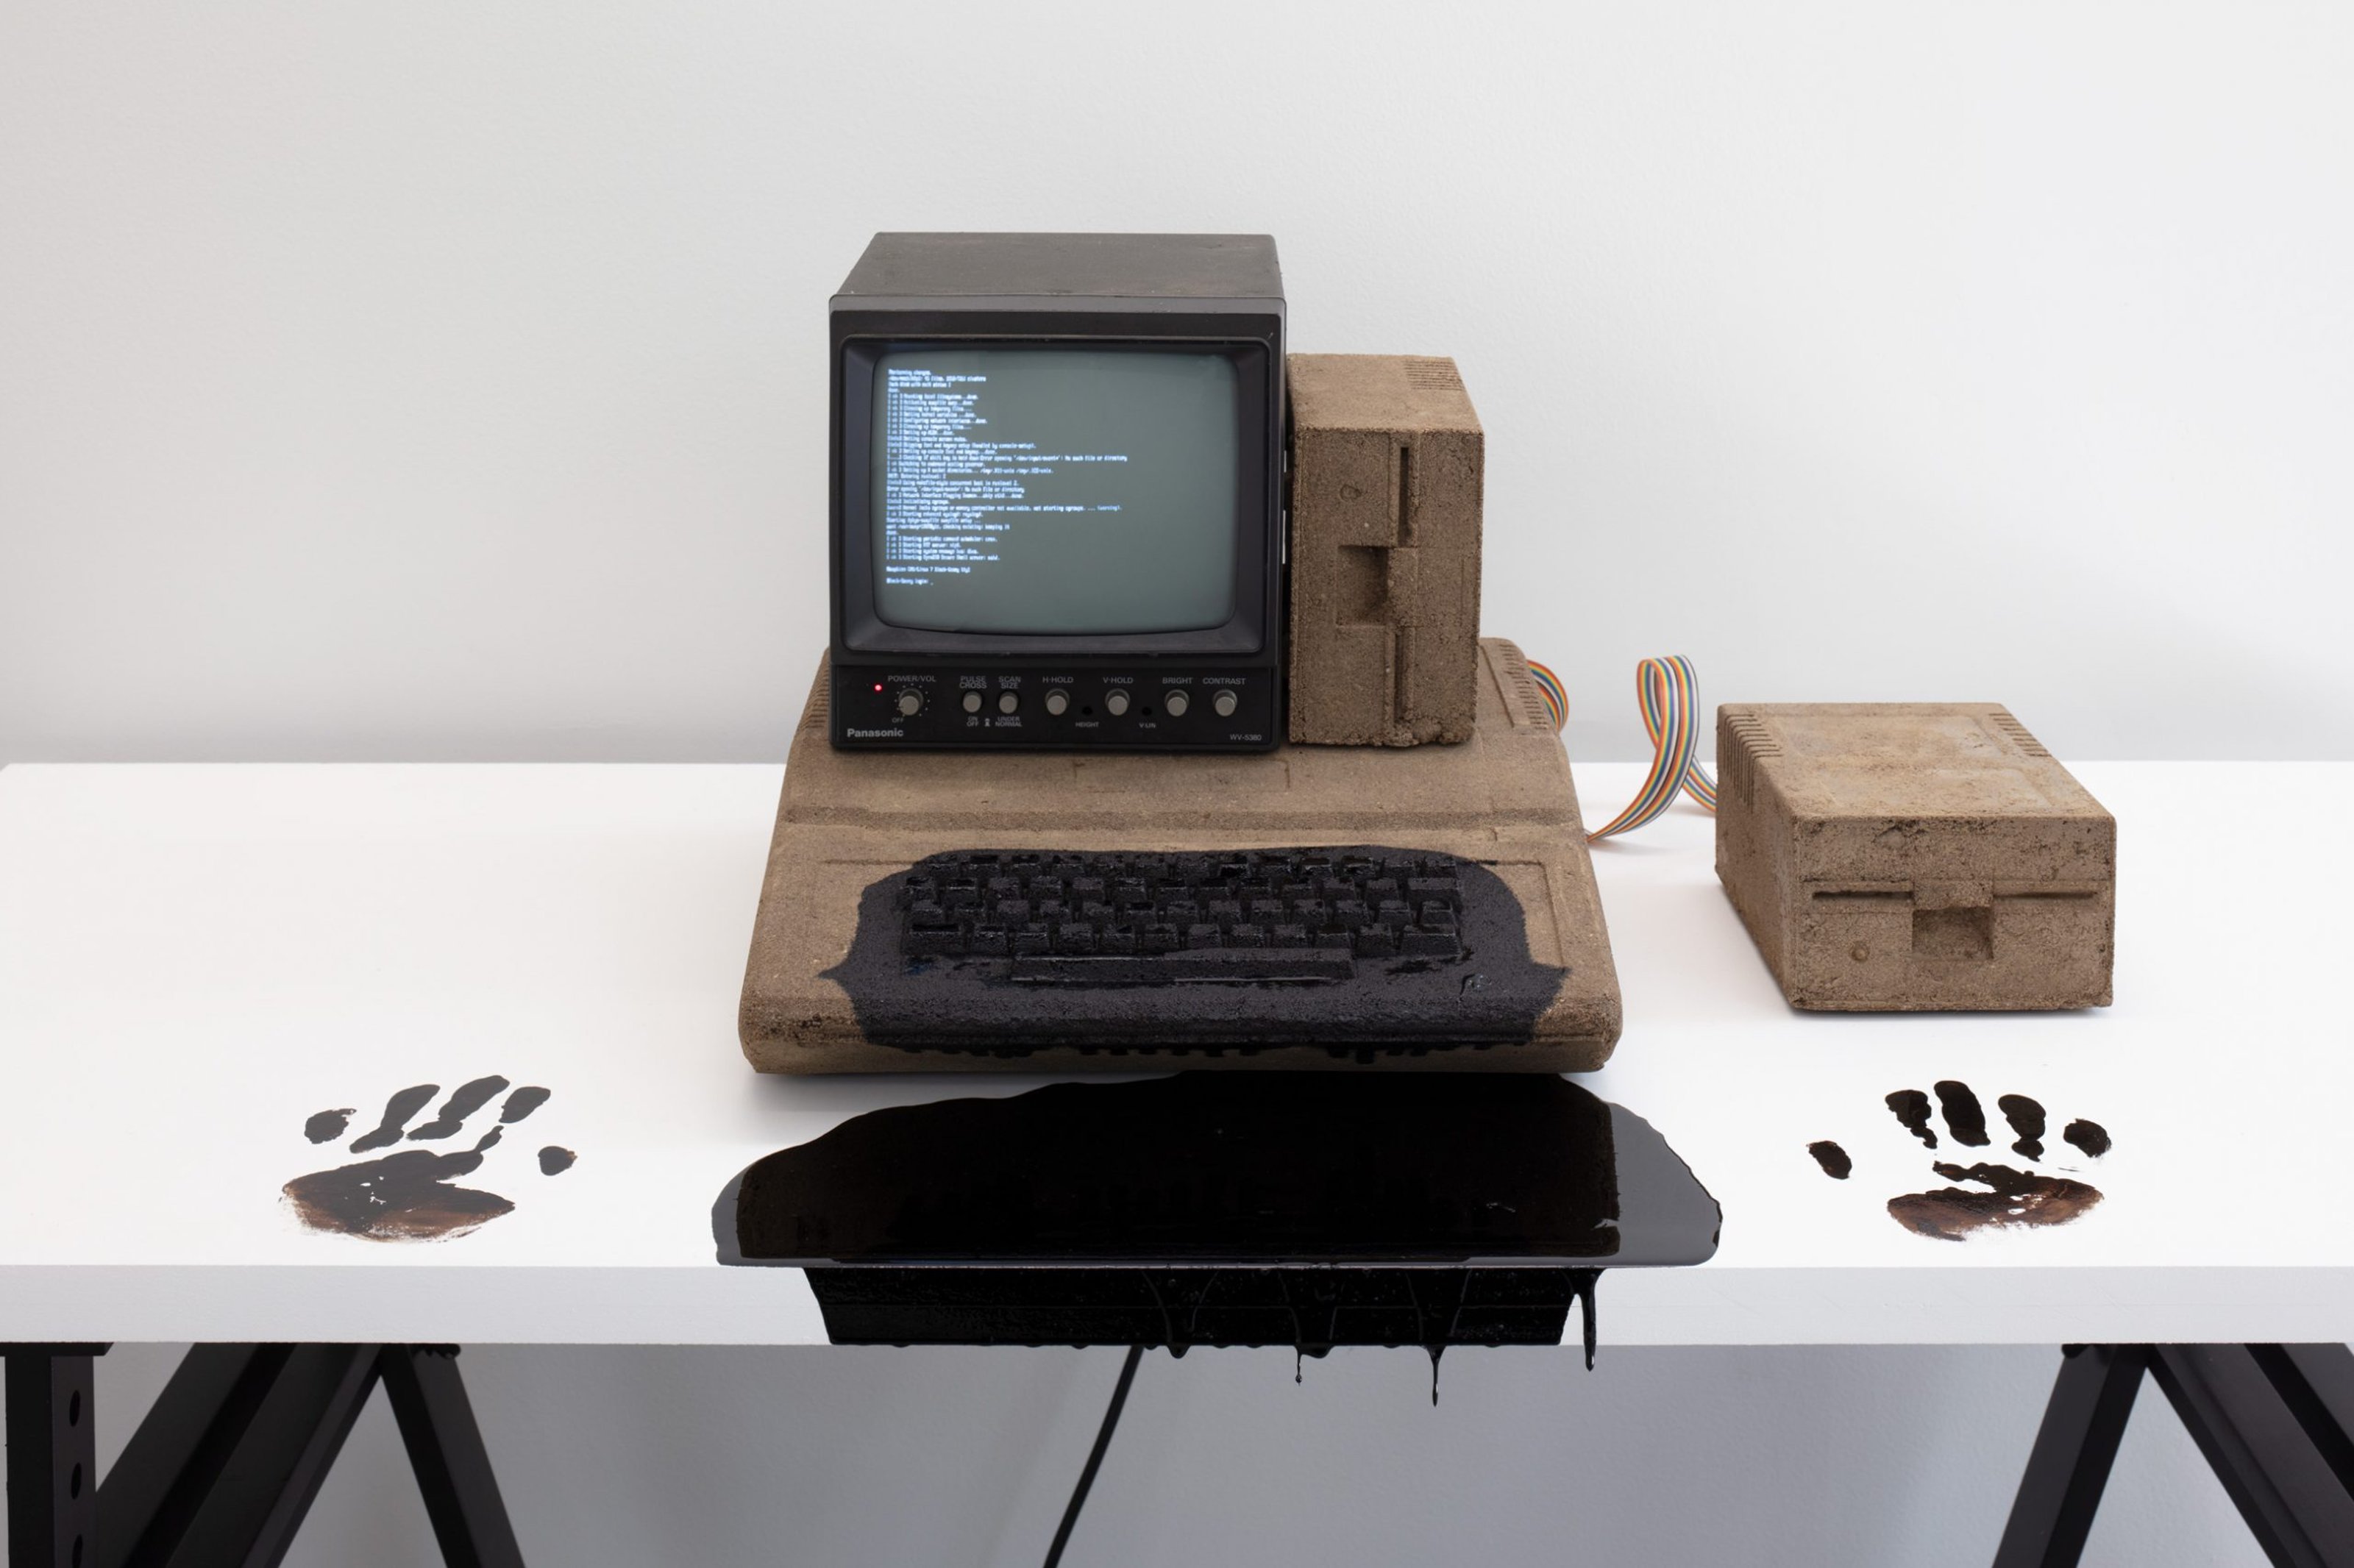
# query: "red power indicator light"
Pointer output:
{"type": "Point", "coordinates": [878, 685]}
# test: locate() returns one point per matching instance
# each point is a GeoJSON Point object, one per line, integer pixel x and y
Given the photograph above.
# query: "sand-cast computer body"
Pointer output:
{"type": "Point", "coordinates": [1057, 497]}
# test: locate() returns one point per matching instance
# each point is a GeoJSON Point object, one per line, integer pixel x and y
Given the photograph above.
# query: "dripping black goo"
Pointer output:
{"type": "Point", "coordinates": [1310, 1210]}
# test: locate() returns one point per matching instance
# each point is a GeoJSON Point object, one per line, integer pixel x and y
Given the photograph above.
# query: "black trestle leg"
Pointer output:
{"type": "Point", "coordinates": [2074, 1448]}
{"type": "Point", "coordinates": [226, 1463]}
{"type": "Point", "coordinates": [225, 1468]}
{"type": "Point", "coordinates": [445, 1449]}
{"type": "Point", "coordinates": [2269, 1420]}
{"type": "Point", "coordinates": [52, 1456]}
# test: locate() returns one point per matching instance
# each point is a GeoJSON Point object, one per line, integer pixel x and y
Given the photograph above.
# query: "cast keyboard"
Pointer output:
{"type": "Point", "coordinates": [1130, 918]}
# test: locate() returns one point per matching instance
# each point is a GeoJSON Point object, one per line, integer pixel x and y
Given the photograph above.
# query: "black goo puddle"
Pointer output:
{"type": "Point", "coordinates": [1303, 1209]}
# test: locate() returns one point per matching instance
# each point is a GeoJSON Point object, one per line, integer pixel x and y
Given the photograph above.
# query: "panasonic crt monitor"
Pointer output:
{"type": "Point", "coordinates": [1056, 499]}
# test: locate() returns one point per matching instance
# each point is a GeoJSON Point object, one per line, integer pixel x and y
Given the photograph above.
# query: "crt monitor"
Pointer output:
{"type": "Point", "coordinates": [1057, 509]}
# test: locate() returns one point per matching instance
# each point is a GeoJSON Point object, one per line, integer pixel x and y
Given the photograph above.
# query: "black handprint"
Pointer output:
{"type": "Point", "coordinates": [412, 1195]}
{"type": "Point", "coordinates": [2014, 1197]}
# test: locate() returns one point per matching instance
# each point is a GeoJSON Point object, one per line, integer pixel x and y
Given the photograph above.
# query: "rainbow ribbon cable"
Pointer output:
{"type": "Point", "coordinates": [1670, 693]}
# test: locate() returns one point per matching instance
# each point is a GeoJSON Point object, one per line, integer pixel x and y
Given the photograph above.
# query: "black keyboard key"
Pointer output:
{"type": "Point", "coordinates": [1218, 966]}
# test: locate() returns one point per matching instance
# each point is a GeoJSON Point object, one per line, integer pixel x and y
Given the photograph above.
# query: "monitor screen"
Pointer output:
{"type": "Point", "coordinates": [1042, 491]}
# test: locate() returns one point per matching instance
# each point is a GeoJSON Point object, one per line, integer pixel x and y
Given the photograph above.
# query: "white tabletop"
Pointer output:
{"type": "Point", "coordinates": [194, 959]}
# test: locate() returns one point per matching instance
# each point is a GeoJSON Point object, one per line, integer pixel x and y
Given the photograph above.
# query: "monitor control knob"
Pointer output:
{"type": "Point", "coordinates": [909, 703]}
{"type": "Point", "coordinates": [1008, 702]}
{"type": "Point", "coordinates": [1177, 703]}
{"type": "Point", "coordinates": [1056, 702]}
{"type": "Point", "coordinates": [972, 702]}
{"type": "Point", "coordinates": [1226, 702]}
{"type": "Point", "coordinates": [1115, 702]}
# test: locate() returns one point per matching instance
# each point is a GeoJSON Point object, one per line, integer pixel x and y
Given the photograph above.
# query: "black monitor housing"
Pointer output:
{"type": "Point", "coordinates": [1056, 493]}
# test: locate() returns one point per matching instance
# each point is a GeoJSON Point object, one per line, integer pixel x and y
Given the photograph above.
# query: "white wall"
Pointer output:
{"type": "Point", "coordinates": [444, 380]}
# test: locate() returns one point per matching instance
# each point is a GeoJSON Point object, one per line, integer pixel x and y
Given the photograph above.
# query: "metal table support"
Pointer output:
{"type": "Point", "coordinates": [2274, 1421]}
{"type": "Point", "coordinates": [223, 1468]}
